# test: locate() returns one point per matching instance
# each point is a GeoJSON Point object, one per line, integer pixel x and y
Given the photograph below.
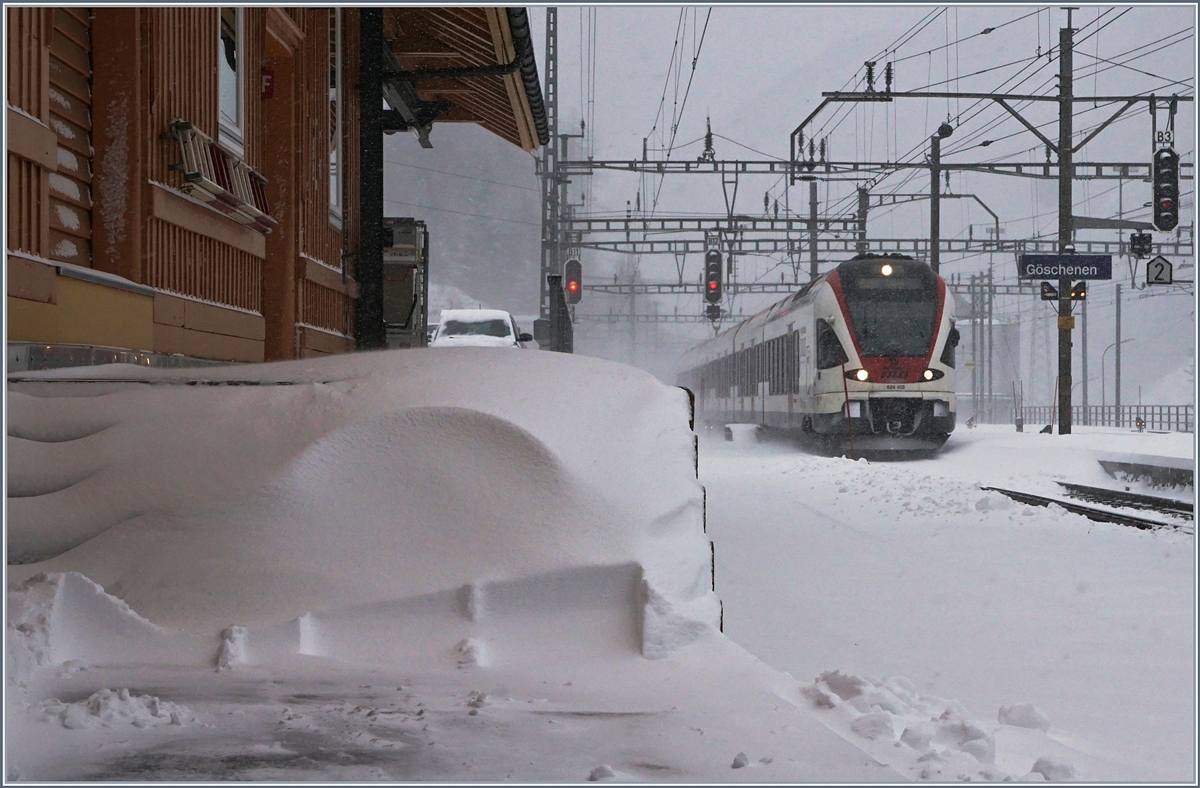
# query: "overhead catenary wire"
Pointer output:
{"type": "Point", "coordinates": [1003, 116]}
{"type": "Point", "coordinates": [1168, 80]}
{"type": "Point", "coordinates": [682, 107]}
{"type": "Point", "coordinates": [964, 39]}
{"type": "Point", "coordinates": [981, 110]}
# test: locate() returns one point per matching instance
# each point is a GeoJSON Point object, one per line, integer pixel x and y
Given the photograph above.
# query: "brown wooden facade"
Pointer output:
{"type": "Point", "coordinates": [109, 244]}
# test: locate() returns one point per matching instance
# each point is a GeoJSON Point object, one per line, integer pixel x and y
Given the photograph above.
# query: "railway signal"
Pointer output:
{"type": "Point", "coordinates": [1079, 291]}
{"type": "Point", "coordinates": [573, 281]}
{"type": "Point", "coordinates": [1166, 189]}
{"type": "Point", "coordinates": [1049, 292]}
{"type": "Point", "coordinates": [712, 276]}
{"type": "Point", "coordinates": [1141, 244]}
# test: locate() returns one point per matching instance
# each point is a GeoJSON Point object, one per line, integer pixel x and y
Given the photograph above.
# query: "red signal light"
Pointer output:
{"type": "Point", "coordinates": [712, 285]}
{"type": "Point", "coordinates": [573, 286]}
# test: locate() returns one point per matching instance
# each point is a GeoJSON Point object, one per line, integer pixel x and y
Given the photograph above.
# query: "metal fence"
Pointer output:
{"type": "Point", "coordinates": [1176, 418]}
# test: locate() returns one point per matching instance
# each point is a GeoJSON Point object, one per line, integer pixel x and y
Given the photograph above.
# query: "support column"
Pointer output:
{"type": "Point", "coordinates": [119, 118]}
{"type": "Point", "coordinates": [1083, 360]}
{"type": "Point", "coordinates": [551, 263]}
{"type": "Point", "coordinates": [864, 202]}
{"type": "Point", "coordinates": [976, 341]}
{"type": "Point", "coordinates": [812, 229]}
{"type": "Point", "coordinates": [279, 168]}
{"type": "Point", "coordinates": [991, 327]}
{"type": "Point", "coordinates": [935, 202]}
{"type": "Point", "coordinates": [1066, 174]}
{"type": "Point", "coordinates": [1117, 363]}
{"type": "Point", "coordinates": [369, 310]}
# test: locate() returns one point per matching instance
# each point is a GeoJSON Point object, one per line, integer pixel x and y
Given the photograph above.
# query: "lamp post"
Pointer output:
{"type": "Point", "coordinates": [1103, 390]}
{"type": "Point", "coordinates": [935, 205]}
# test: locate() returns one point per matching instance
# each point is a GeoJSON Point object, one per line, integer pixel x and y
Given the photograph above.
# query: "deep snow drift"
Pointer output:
{"type": "Point", "coordinates": [462, 564]}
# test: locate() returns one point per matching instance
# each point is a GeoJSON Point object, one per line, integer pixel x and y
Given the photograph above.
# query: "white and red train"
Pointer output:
{"type": "Point", "coordinates": [859, 358]}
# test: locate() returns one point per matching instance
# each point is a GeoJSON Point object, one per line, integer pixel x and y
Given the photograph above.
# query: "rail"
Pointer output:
{"type": "Point", "coordinates": [1091, 512]}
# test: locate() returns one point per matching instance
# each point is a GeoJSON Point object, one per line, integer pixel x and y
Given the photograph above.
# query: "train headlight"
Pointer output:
{"type": "Point", "coordinates": [860, 375]}
{"type": "Point", "coordinates": [932, 374]}
{"type": "Point", "coordinates": [886, 270]}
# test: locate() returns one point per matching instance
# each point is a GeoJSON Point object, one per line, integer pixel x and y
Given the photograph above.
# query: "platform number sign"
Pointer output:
{"type": "Point", "coordinates": [1159, 271]}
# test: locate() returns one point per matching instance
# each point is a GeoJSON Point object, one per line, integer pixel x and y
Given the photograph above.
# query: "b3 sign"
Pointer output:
{"type": "Point", "coordinates": [1065, 266]}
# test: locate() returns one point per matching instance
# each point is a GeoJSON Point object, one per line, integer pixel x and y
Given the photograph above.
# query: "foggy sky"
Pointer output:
{"type": "Point", "coordinates": [759, 72]}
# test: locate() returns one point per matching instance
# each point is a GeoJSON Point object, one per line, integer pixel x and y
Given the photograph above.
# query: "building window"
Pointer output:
{"type": "Point", "coordinates": [231, 70]}
{"type": "Point", "coordinates": [335, 115]}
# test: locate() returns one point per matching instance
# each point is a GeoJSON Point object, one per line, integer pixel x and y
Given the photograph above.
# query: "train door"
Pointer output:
{"type": "Point", "coordinates": [752, 380]}
{"type": "Point", "coordinates": [790, 346]}
{"type": "Point", "coordinates": [739, 382]}
{"type": "Point", "coordinates": [804, 370]}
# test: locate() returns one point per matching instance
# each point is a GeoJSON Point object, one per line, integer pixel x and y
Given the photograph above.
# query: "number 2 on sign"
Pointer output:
{"type": "Point", "coordinates": [1158, 272]}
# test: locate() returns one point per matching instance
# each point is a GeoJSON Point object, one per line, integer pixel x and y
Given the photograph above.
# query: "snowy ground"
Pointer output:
{"type": "Point", "coordinates": [909, 570]}
{"type": "Point", "coordinates": [466, 564]}
{"type": "Point", "coordinates": [479, 565]}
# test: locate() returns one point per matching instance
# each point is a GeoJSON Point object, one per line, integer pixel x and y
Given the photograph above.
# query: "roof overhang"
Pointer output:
{"type": "Point", "coordinates": [463, 65]}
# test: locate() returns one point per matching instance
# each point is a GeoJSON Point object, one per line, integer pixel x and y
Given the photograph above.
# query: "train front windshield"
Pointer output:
{"type": "Point", "coordinates": [893, 316]}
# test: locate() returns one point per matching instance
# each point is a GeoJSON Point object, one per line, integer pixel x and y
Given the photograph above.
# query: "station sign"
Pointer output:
{"type": "Point", "coordinates": [1065, 266]}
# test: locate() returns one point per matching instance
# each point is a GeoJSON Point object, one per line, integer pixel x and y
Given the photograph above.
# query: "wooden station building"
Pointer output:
{"type": "Point", "coordinates": [205, 183]}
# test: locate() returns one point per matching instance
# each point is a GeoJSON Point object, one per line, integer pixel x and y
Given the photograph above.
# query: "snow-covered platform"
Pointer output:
{"type": "Point", "coordinates": [940, 619]}
{"type": "Point", "coordinates": [461, 565]}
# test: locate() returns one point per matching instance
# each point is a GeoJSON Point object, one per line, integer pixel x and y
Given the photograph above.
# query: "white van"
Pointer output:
{"type": "Point", "coordinates": [478, 328]}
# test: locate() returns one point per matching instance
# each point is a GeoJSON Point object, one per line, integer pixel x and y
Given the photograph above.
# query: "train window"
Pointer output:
{"type": "Point", "coordinates": [829, 349]}
{"type": "Point", "coordinates": [894, 328]}
{"type": "Point", "coordinates": [892, 316]}
{"type": "Point", "coordinates": [952, 340]}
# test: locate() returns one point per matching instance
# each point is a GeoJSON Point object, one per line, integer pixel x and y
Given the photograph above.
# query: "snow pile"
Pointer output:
{"type": "Point", "coordinates": [342, 511]}
{"type": "Point", "coordinates": [233, 649]}
{"type": "Point", "coordinates": [606, 773]}
{"type": "Point", "coordinates": [57, 618]}
{"type": "Point", "coordinates": [110, 709]}
{"type": "Point", "coordinates": [891, 710]}
{"type": "Point", "coordinates": [1024, 715]}
{"type": "Point", "coordinates": [1051, 769]}
{"type": "Point", "coordinates": [928, 737]}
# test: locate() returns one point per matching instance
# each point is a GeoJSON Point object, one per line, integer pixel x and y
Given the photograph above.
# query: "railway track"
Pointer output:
{"type": "Point", "coordinates": [1131, 500]}
{"type": "Point", "coordinates": [1094, 513]}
